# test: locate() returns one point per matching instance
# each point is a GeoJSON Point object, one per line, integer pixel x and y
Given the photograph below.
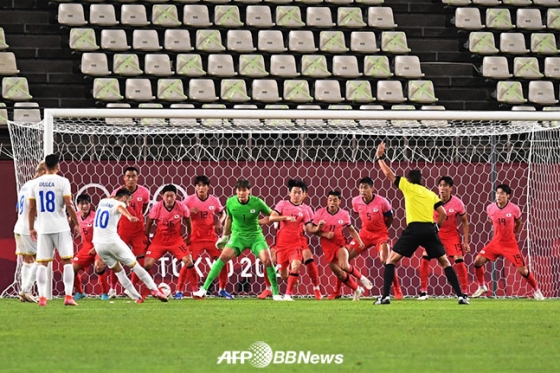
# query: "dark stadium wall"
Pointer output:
{"type": "Point", "coordinates": [8, 198]}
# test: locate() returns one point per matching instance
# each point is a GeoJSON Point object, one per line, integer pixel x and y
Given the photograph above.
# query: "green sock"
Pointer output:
{"type": "Point", "coordinates": [271, 273]}
{"type": "Point", "coordinates": [214, 272]}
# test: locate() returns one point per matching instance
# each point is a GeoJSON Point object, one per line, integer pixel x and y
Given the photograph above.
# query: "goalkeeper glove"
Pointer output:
{"type": "Point", "coordinates": [221, 243]}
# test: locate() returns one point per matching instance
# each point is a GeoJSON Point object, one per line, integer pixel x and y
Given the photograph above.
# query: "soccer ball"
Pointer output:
{"type": "Point", "coordinates": [164, 289]}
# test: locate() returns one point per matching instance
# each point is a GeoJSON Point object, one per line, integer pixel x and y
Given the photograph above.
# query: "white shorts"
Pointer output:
{"type": "Point", "coordinates": [25, 245]}
{"type": "Point", "coordinates": [117, 252]}
{"type": "Point", "coordinates": [46, 243]}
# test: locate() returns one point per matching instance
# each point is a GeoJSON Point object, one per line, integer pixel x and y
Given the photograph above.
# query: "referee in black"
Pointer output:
{"type": "Point", "coordinates": [419, 203]}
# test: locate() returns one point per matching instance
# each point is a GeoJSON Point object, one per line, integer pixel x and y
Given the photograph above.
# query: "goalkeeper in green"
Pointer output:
{"type": "Point", "coordinates": [242, 231]}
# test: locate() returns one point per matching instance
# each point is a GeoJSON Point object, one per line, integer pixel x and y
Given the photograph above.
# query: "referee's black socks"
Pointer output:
{"type": "Point", "coordinates": [388, 277]}
{"type": "Point", "coordinates": [452, 278]}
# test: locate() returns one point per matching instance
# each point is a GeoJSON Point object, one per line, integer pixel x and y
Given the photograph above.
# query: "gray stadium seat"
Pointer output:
{"type": "Point", "coordinates": [421, 92]}
{"type": "Point", "coordinates": [529, 19]}
{"type": "Point", "coordinates": [541, 92]}
{"type": "Point", "coordinates": [314, 65]}
{"type": "Point", "coordinates": [234, 90]}
{"type": "Point", "coordinates": [209, 41]}
{"type": "Point", "coordinates": [258, 16]}
{"type": "Point", "coordinates": [319, 17]}
{"type": "Point", "coordinates": [227, 16]}
{"type": "Point", "coordinates": [252, 65]}
{"type": "Point", "coordinates": [390, 91]}
{"type": "Point", "coordinates": [27, 112]}
{"type": "Point", "coordinates": [158, 64]}
{"type": "Point", "coordinates": [552, 67]}
{"type": "Point", "coordinates": [510, 92]}
{"type": "Point", "coordinates": [188, 64]}
{"type": "Point", "coordinates": [134, 15]}
{"type": "Point", "coordinates": [196, 15]}
{"type": "Point", "coordinates": [526, 68]}
{"type": "Point", "coordinates": [202, 90]}
{"type": "Point", "coordinates": [394, 42]}
{"type": "Point", "coordinates": [381, 18]}
{"type": "Point", "coordinates": [544, 44]}
{"type": "Point", "coordinates": [146, 40]}
{"type": "Point", "coordinates": [377, 67]}
{"type": "Point", "coordinates": [127, 64]}
{"type": "Point", "coordinates": [495, 67]}
{"type": "Point", "coordinates": [332, 42]}
{"type": "Point", "coordinates": [499, 19]}
{"type": "Point", "coordinates": [71, 15]}
{"type": "Point", "coordinates": [513, 43]}
{"type": "Point", "coordinates": [301, 41]}
{"type": "Point", "coordinates": [171, 90]}
{"type": "Point", "coordinates": [289, 16]}
{"type": "Point", "coordinates": [468, 19]}
{"type": "Point", "coordinates": [283, 65]}
{"type": "Point", "coordinates": [165, 15]}
{"type": "Point", "coordinates": [359, 91]}
{"type": "Point", "coordinates": [297, 91]}
{"type": "Point", "coordinates": [265, 90]}
{"type": "Point", "coordinates": [408, 67]}
{"type": "Point", "coordinates": [138, 89]}
{"type": "Point", "coordinates": [346, 66]}
{"type": "Point", "coordinates": [114, 40]}
{"type": "Point", "coordinates": [106, 89]}
{"type": "Point", "coordinates": [15, 89]}
{"type": "Point", "coordinates": [102, 15]}
{"type": "Point", "coordinates": [240, 41]}
{"type": "Point", "coordinates": [271, 41]}
{"type": "Point", "coordinates": [363, 42]}
{"type": "Point", "coordinates": [8, 65]}
{"type": "Point", "coordinates": [327, 91]}
{"type": "Point", "coordinates": [221, 65]}
{"type": "Point", "coordinates": [95, 64]}
{"type": "Point", "coordinates": [350, 17]}
{"type": "Point", "coordinates": [482, 43]}
{"type": "Point", "coordinates": [178, 40]}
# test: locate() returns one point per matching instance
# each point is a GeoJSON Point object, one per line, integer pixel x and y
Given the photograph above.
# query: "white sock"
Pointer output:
{"type": "Point", "coordinates": [31, 277]}
{"type": "Point", "coordinates": [42, 280]}
{"type": "Point", "coordinates": [144, 276]}
{"type": "Point", "coordinates": [316, 288]}
{"type": "Point", "coordinates": [269, 288]}
{"type": "Point", "coordinates": [68, 278]}
{"type": "Point", "coordinates": [127, 284]}
{"type": "Point", "coordinates": [24, 274]}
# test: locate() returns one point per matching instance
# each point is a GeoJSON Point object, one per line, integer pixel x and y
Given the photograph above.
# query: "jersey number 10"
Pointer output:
{"type": "Point", "coordinates": [101, 219]}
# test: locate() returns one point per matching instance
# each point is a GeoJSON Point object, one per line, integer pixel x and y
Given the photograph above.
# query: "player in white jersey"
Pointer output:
{"type": "Point", "coordinates": [112, 249]}
{"type": "Point", "coordinates": [25, 246]}
{"type": "Point", "coordinates": [50, 200]}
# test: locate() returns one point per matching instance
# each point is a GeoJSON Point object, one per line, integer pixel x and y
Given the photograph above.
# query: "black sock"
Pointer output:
{"type": "Point", "coordinates": [388, 277]}
{"type": "Point", "coordinates": [453, 280]}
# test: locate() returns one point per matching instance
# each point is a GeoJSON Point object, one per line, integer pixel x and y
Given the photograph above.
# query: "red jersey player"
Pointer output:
{"type": "Point", "coordinates": [449, 236]}
{"type": "Point", "coordinates": [207, 215]}
{"type": "Point", "coordinates": [169, 216]}
{"type": "Point", "coordinates": [87, 256]}
{"type": "Point", "coordinates": [333, 219]}
{"type": "Point", "coordinates": [133, 233]}
{"type": "Point", "coordinates": [506, 221]}
{"type": "Point", "coordinates": [376, 215]}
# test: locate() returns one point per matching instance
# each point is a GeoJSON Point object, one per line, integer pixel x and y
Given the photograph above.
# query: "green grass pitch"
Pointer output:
{"type": "Point", "coordinates": [490, 335]}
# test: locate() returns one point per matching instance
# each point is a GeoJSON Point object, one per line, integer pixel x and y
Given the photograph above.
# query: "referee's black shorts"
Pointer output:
{"type": "Point", "coordinates": [420, 234]}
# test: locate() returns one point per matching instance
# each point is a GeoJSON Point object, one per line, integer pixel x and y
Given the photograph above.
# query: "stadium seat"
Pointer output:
{"type": "Point", "coordinates": [301, 41]}
{"type": "Point", "coordinates": [146, 121]}
{"type": "Point", "coordinates": [119, 121]}
{"type": "Point", "coordinates": [390, 91]}
{"type": "Point", "coordinates": [95, 64]}
{"type": "Point", "coordinates": [189, 122]}
{"type": "Point", "coordinates": [246, 122]}
{"type": "Point", "coordinates": [495, 67]}
{"type": "Point", "coordinates": [381, 18]}
{"type": "Point", "coordinates": [234, 90]}
{"type": "Point", "coordinates": [27, 112]}
{"type": "Point", "coordinates": [265, 90]}
{"type": "Point", "coordinates": [314, 65]}
{"type": "Point", "coordinates": [523, 108]}
{"type": "Point", "coordinates": [340, 2]}
{"type": "Point", "coordinates": [513, 43]}
{"type": "Point", "coordinates": [114, 40]}
{"type": "Point", "coordinates": [553, 123]}
{"type": "Point", "coordinates": [177, 40]}
{"type": "Point", "coordinates": [359, 91]}
{"type": "Point", "coordinates": [138, 89]}
{"type": "Point", "coordinates": [240, 41]}
{"type": "Point", "coordinates": [553, 19]}
{"type": "Point", "coordinates": [370, 2]}
{"type": "Point", "coordinates": [421, 92]}
{"type": "Point", "coordinates": [189, 65]}
{"type": "Point", "coordinates": [529, 19]}
{"type": "Point", "coordinates": [258, 16]}
{"type": "Point", "coordinates": [3, 114]}
{"type": "Point", "coordinates": [297, 91]}
{"type": "Point", "coordinates": [526, 68]}
{"type": "Point", "coordinates": [517, 2]}
{"type": "Point", "coordinates": [510, 92]}
{"type": "Point", "coordinates": [320, 17]}
{"type": "Point", "coordinates": [404, 122]}
{"type": "Point", "coordinates": [15, 89]}
{"type": "Point", "coordinates": [310, 122]}
{"type": "Point", "coordinates": [499, 19]}
{"type": "Point", "coordinates": [271, 41]}
{"type": "Point", "coordinates": [202, 90]}
{"type": "Point", "coordinates": [102, 15]}
{"type": "Point", "coordinates": [363, 42]}
{"type": "Point", "coordinates": [196, 15]}
{"type": "Point", "coordinates": [8, 65]}
{"type": "Point", "coordinates": [377, 67]}
{"type": "Point", "coordinates": [345, 67]}
{"type": "Point", "coordinates": [278, 122]}
{"type": "Point", "coordinates": [541, 92]}
{"type": "Point", "coordinates": [332, 42]}
{"type": "Point", "coordinates": [127, 64]}
{"type": "Point", "coordinates": [227, 16]}
{"type": "Point", "coordinates": [146, 40]}
{"type": "Point", "coordinates": [252, 65]}
{"type": "Point", "coordinates": [468, 19]}
{"type": "Point", "coordinates": [289, 17]}
{"type": "Point", "coordinates": [4, 45]}
{"type": "Point", "coordinates": [394, 42]}
{"type": "Point", "coordinates": [341, 122]}
{"type": "Point", "coordinates": [158, 64]}
{"type": "Point", "coordinates": [283, 65]}
{"type": "Point", "coordinates": [209, 41]}
{"type": "Point", "coordinates": [308, 2]}
{"type": "Point", "coordinates": [408, 67]}
{"type": "Point", "coordinates": [544, 44]}
{"type": "Point", "coordinates": [482, 43]}
{"type": "Point", "coordinates": [350, 17]}
{"type": "Point", "coordinates": [433, 122]}
{"type": "Point", "coordinates": [487, 2]}
{"type": "Point", "coordinates": [106, 89]}
{"type": "Point", "coordinates": [552, 67]}
{"type": "Point", "coordinates": [554, 3]}
{"type": "Point", "coordinates": [71, 15]}
{"type": "Point", "coordinates": [221, 65]}
{"type": "Point", "coordinates": [327, 91]}
{"type": "Point", "coordinates": [171, 90]}
{"type": "Point", "coordinates": [134, 15]}
{"type": "Point", "coordinates": [457, 2]}
{"type": "Point", "coordinates": [372, 122]}
{"type": "Point", "coordinates": [165, 15]}
{"type": "Point", "coordinates": [215, 122]}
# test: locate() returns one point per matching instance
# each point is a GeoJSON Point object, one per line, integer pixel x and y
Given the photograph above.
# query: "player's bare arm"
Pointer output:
{"type": "Point", "coordinates": [149, 223]}
{"type": "Point", "coordinates": [264, 221]}
{"type": "Point", "coordinates": [276, 217]}
{"type": "Point", "coordinates": [31, 218]}
{"type": "Point", "coordinates": [219, 225]}
{"type": "Point", "coordinates": [188, 224]}
{"type": "Point", "coordinates": [380, 156]}
{"type": "Point", "coordinates": [466, 232]}
{"type": "Point", "coordinates": [356, 236]}
{"type": "Point", "coordinates": [389, 220]}
{"type": "Point", "coordinates": [124, 212]}
{"type": "Point", "coordinates": [442, 215]}
{"type": "Point", "coordinates": [518, 225]}
{"type": "Point", "coordinates": [72, 212]}
{"type": "Point", "coordinates": [227, 226]}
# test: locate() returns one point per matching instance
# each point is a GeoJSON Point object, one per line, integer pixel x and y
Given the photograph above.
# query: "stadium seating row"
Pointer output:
{"type": "Point", "coordinates": [229, 16]}
{"type": "Point", "coordinates": [502, 2]}
{"type": "Point", "coordinates": [240, 41]}
{"type": "Point", "coordinates": [514, 43]}
{"type": "Point", "coordinates": [540, 92]}
{"type": "Point", "coordinates": [264, 90]}
{"type": "Point", "coordinates": [500, 19]}
{"type": "Point", "coordinates": [303, 2]}
{"type": "Point", "coordinates": [498, 67]}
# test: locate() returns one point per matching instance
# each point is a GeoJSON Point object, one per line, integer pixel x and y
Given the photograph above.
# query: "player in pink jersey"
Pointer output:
{"type": "Point", "coordinates": [335, 220]}
{"type": "Point", "coordinates": [169, 216]}
{"type": "Point", "coordinates": [133, 233]}
{"type": "Point", "coordinates": [207, 216]}
{"type": "Point", "coordinates": [506, 221]}
{"type": "Point", "coordinates": [376, 215]}
{"type": "Point", "coordinates": [449, 236]}
{"type": "Point", "coordinates": [86, 255]}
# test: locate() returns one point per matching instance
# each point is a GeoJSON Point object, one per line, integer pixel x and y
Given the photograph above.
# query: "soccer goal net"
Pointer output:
{"type": "Point", "coordinates": [329, 149]}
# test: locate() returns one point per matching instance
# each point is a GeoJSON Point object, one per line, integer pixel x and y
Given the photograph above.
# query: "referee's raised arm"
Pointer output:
{"type": "Point", "coordinates": [380, 159]}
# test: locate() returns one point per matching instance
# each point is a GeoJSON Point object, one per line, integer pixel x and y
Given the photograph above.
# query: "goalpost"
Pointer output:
{"type": "Point", "coordinates": [329, 149]}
